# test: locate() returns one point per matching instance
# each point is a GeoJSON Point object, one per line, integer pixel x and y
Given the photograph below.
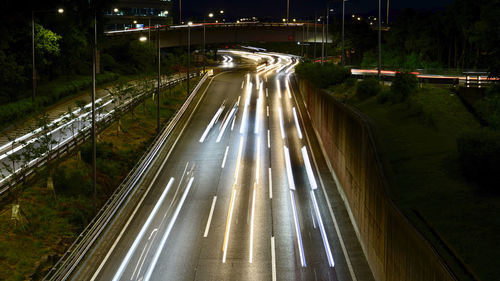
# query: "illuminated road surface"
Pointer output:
{"type": "Point", "coordinates": [239, 197]}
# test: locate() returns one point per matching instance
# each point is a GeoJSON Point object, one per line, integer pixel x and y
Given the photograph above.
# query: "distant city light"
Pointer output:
{"type": "Point", "coordinates": [115, 10]}
{"type": "Point", "coordinates": [60, 11]}
{"type": "Point", "coordinates": [143, 38]}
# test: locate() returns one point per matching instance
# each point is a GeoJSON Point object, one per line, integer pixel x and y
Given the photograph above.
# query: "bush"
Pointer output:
{"type": "Point", "coordinates": [103, 150]}
{"type": "Point", "coordinates": [367, 88]}
{"type": "Point", "coordinates": [71, 181]}
{"type": "Point", "coordinates": [403, 86]}
{"type": "Point", "coordinates": [384, 96]}
{"type": "Point", "coordinates": [488, 108]}
{"type": "Point", "coordinates": [323, 76]}
{"type": "Point", "coordinates": [479, 157]}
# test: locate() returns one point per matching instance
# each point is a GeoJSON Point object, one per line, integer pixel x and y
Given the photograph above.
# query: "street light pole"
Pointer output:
{"type": "Point", "coordinates": [343, 19]}
{"type": "Point", "coordinates": [287, 10]}
{"type": "Point", "coordinates": [315, 34]}
{"type": "Point", "coordinates": [94, 70]}
{"type": "Point", "coordinates": [33, 52]}
{"type": "Point", "coordinates": [379, 38]}
{"type": "Point", "coordinates": [188, 57]}
{"type": "Point", "coordinates": [327, 24]}
{"type": "Point", "coordinates": [180, 11]}
{"type": "Point", "coordinates": [322, 42]}
{"type": "Point", "coordinates": [159, 83]}
{"type": "Point", "coordinates": [204, 54]}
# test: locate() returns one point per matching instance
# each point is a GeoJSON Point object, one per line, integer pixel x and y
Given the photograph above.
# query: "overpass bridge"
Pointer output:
{"type": "Point", "coordinates": [220, 33]}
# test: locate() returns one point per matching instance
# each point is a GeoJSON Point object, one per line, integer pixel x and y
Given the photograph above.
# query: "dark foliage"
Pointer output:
{"type": "Point", "coordinates": [367, 88]}
{"type": "Point", "coordinates": [479, 156]}
{"type": "Point", "coordinates": [323, 76]}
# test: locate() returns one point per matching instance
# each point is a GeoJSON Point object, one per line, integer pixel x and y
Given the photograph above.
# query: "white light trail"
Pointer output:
{"type": "Point", "coordinates": [287, 86]}
{"type": "Point", "coordinates": [153, 262]}
{"type": "Point", "coordinates": [225, 156]}
{"type": "Point", "coordinates": [139, 236]}
{"type": "Point", "coordinates": [299, 132]}
{"type": "Point", "coordinates": [252, 222]}
{"type": "Point", "coordinates": [238, 161]}
{"type": "Point", "coordinates": [310, 174]}
{"type": "Point", "coordinates": [278, 87]}
{"type": "Point", "coordinates": [221, 133]}
{"type": "Point", "coordinates": [289, 173]}
{"type": "Point", "coordinates": [211, 124]}
{"type": "Point", "coordinates": [209, 221]}
{"type": "Point", "coordinates": [228, 225]}
{"type": "Point", "coordinates": [257, 165]}
{"type": "Point", "coordinates": [331, 262]}
{"type": "Point", "coordinates": [280, 113]}
{"type": "Point", "coordinates": [297, 230]}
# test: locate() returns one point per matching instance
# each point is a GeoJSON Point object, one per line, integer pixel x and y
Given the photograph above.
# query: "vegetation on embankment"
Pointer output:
{"type": "Point", "coordinates": [50, 220]}
{"type": "Point", "coordinates": [432, 143]}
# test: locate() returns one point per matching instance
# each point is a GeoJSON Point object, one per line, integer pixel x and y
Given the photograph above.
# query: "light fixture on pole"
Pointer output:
{"type": "Point", "coordinates": [188, 56]}
{"type": "Point", "coordinates": [159, 82]}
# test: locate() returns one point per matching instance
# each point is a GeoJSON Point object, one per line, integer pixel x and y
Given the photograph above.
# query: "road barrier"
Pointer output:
{"type": "Point", "coordinates": [395, 250]}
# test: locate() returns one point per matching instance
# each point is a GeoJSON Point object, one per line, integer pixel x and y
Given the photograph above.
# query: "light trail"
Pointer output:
{"type": "Point", "coordinates": [225, 156]}
{"type": "Point", "coordinates": [153, 262]}
{"type": "Point", "coordinates": [211, 124]}
{"type": "Point", "coordinates": [238, 161]}
{"type": "Point", "coordinates": [331, 262]}
{"type": "Point", "coordinates": [289, 173]}
{"type": "Point", "coordinates": [139, 236]}
{"type": "Point", "coordinates": [228, 224]}
{"type": "Point", "coordinates": [297, 230]}
{"type": "Point", "coordinates": [224, 126]}
{"type": "Point", "coordinates": [278, 87]}
{"type": "Point", "coordinates": [280, 113]}
{"type": "Point", "coordinates": [257, 164]}
{"type": "Point", "coordinates": [310, 174]}
{"type": "Point", "coordinates": [299, 132]}
{"type": "Point", "coordinates": [209, 221]}
{"type": "Point", "coordinates": [252, 222]}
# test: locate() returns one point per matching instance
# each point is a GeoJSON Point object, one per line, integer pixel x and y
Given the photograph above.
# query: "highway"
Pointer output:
{"type": "Point", "coordinates": [237, 193]}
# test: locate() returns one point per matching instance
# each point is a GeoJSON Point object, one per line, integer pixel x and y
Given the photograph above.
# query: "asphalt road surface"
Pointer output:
{"type": "Point", "coordinates": [238, 197]}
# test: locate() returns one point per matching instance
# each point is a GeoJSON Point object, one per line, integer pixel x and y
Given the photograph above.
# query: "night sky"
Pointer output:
{"type": "Point", "coordinates": [298, 8]}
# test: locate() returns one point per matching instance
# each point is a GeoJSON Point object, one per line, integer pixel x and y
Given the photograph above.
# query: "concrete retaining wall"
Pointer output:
{"type": "Point", "coordinates": [394, 249]}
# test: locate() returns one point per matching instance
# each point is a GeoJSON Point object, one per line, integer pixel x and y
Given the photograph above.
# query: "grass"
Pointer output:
{"type": "Point", "coordinates": [419, 138]}
{"type": "Point", "coordinates": [50, 223]}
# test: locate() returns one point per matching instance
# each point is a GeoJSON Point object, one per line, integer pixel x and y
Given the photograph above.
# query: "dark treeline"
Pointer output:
{"type": "Point", "coordinates": [465, 35]}
{"type": "Point", "coordinates": [63, 46]}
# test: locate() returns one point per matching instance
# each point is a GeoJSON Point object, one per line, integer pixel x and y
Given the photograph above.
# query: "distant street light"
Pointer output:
{"type": "Point", "coordinates": [116, 10]}
{"type": "Point", "coordinates": [135, 22]}
{"type": "Point", "coordinates": [143, 38]}
{"type": "Point", "coordinates": [221, 11]}
{"type": "Point", "coordinates": [60, 11]}
{"type": "Point", "coordinates": [211, 15]}
{"type": "Point", "coordinates": [284, 20]}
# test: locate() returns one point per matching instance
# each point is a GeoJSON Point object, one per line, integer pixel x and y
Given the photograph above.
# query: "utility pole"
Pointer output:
{"type": "Point", "coordinates": [204, 53]}
{"type": "Point", "coordinates": [180, 11]}
{"type": "Point", "coordinates": [159, 83]}
{"type": "Point", "coordinates": [379, 38]}
{"type": "Point", "coordinates": [327, 24]}
{"type": "Point", "coordinates": [188, 57]}
{"type": "Point", "coordinates": [33, 52]}
{"type": "Point", "coordinates": [315, 34]}
{"type": "Point", "coordinates": [343, 20]}
{"type": "Point", "coordinates": [387, 21]}
{"type": "Point", "coordinates": [94, 70]}
{"type": "Point", "coordinates": [323, 42]}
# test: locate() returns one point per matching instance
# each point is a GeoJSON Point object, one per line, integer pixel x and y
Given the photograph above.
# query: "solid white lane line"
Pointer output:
{"type": "Point", "coordinates": [268, 139]}
{"type": "Point", "coordinates": [299, 132]}
{"type": "Point", "coordinates": [288, 164]}
{"type": "Point", "coordinates": [252, 222]}
{"type": "Point", "coordinates": [310, 174]}
{"type": "Point", "coordinates": [211, 124]}
{"type": "Point", "coordinates": [228, 225]}
{"type": "Point", "coordinates": [273, 258]}
{"type": "Point", "coordinates": [225, 155]}
{"type": "Point", "coordinates": [297, 230]}
{"type": "Point", "coordinates": [152, 264]}
{"type": "Point", "coordinates": [139, 236]}
{"type": "Point", "coordinates": [270, 184]}
{"type": "Point", "coordinates": [209, 221]}
{"type": "Point", "coordinates": [282, 128]}
{"type": "Point", "coordinates": [331, 262]}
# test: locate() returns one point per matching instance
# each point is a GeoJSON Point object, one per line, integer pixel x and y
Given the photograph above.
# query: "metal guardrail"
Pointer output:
{"type": "Point", "coordinates": [76, 252]}
{"type": "Point", "coordinates": [23, 175]}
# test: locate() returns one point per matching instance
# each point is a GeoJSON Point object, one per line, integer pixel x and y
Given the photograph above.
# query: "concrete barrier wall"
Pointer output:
{"type": "Point", "coordinates": [394, 249]}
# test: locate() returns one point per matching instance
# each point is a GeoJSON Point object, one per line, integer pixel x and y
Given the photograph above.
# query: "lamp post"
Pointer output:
{"type": "Point", "coordinates": [287, 10]}
{"type": "Point", "coordinates": [94, 149]}
{"type": "Point", "coordinates": [188, 56]}
{"type": "Point", "coordinates": [328, 10]}
{"type": "Point", "coordinates": [159, 82]}
{"type": "Point", "coordinates": [343, 20]}
{"type": "Point", "coordinates": [379, 38]}
{"type": "Point", "coordinates": [60, 11]}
